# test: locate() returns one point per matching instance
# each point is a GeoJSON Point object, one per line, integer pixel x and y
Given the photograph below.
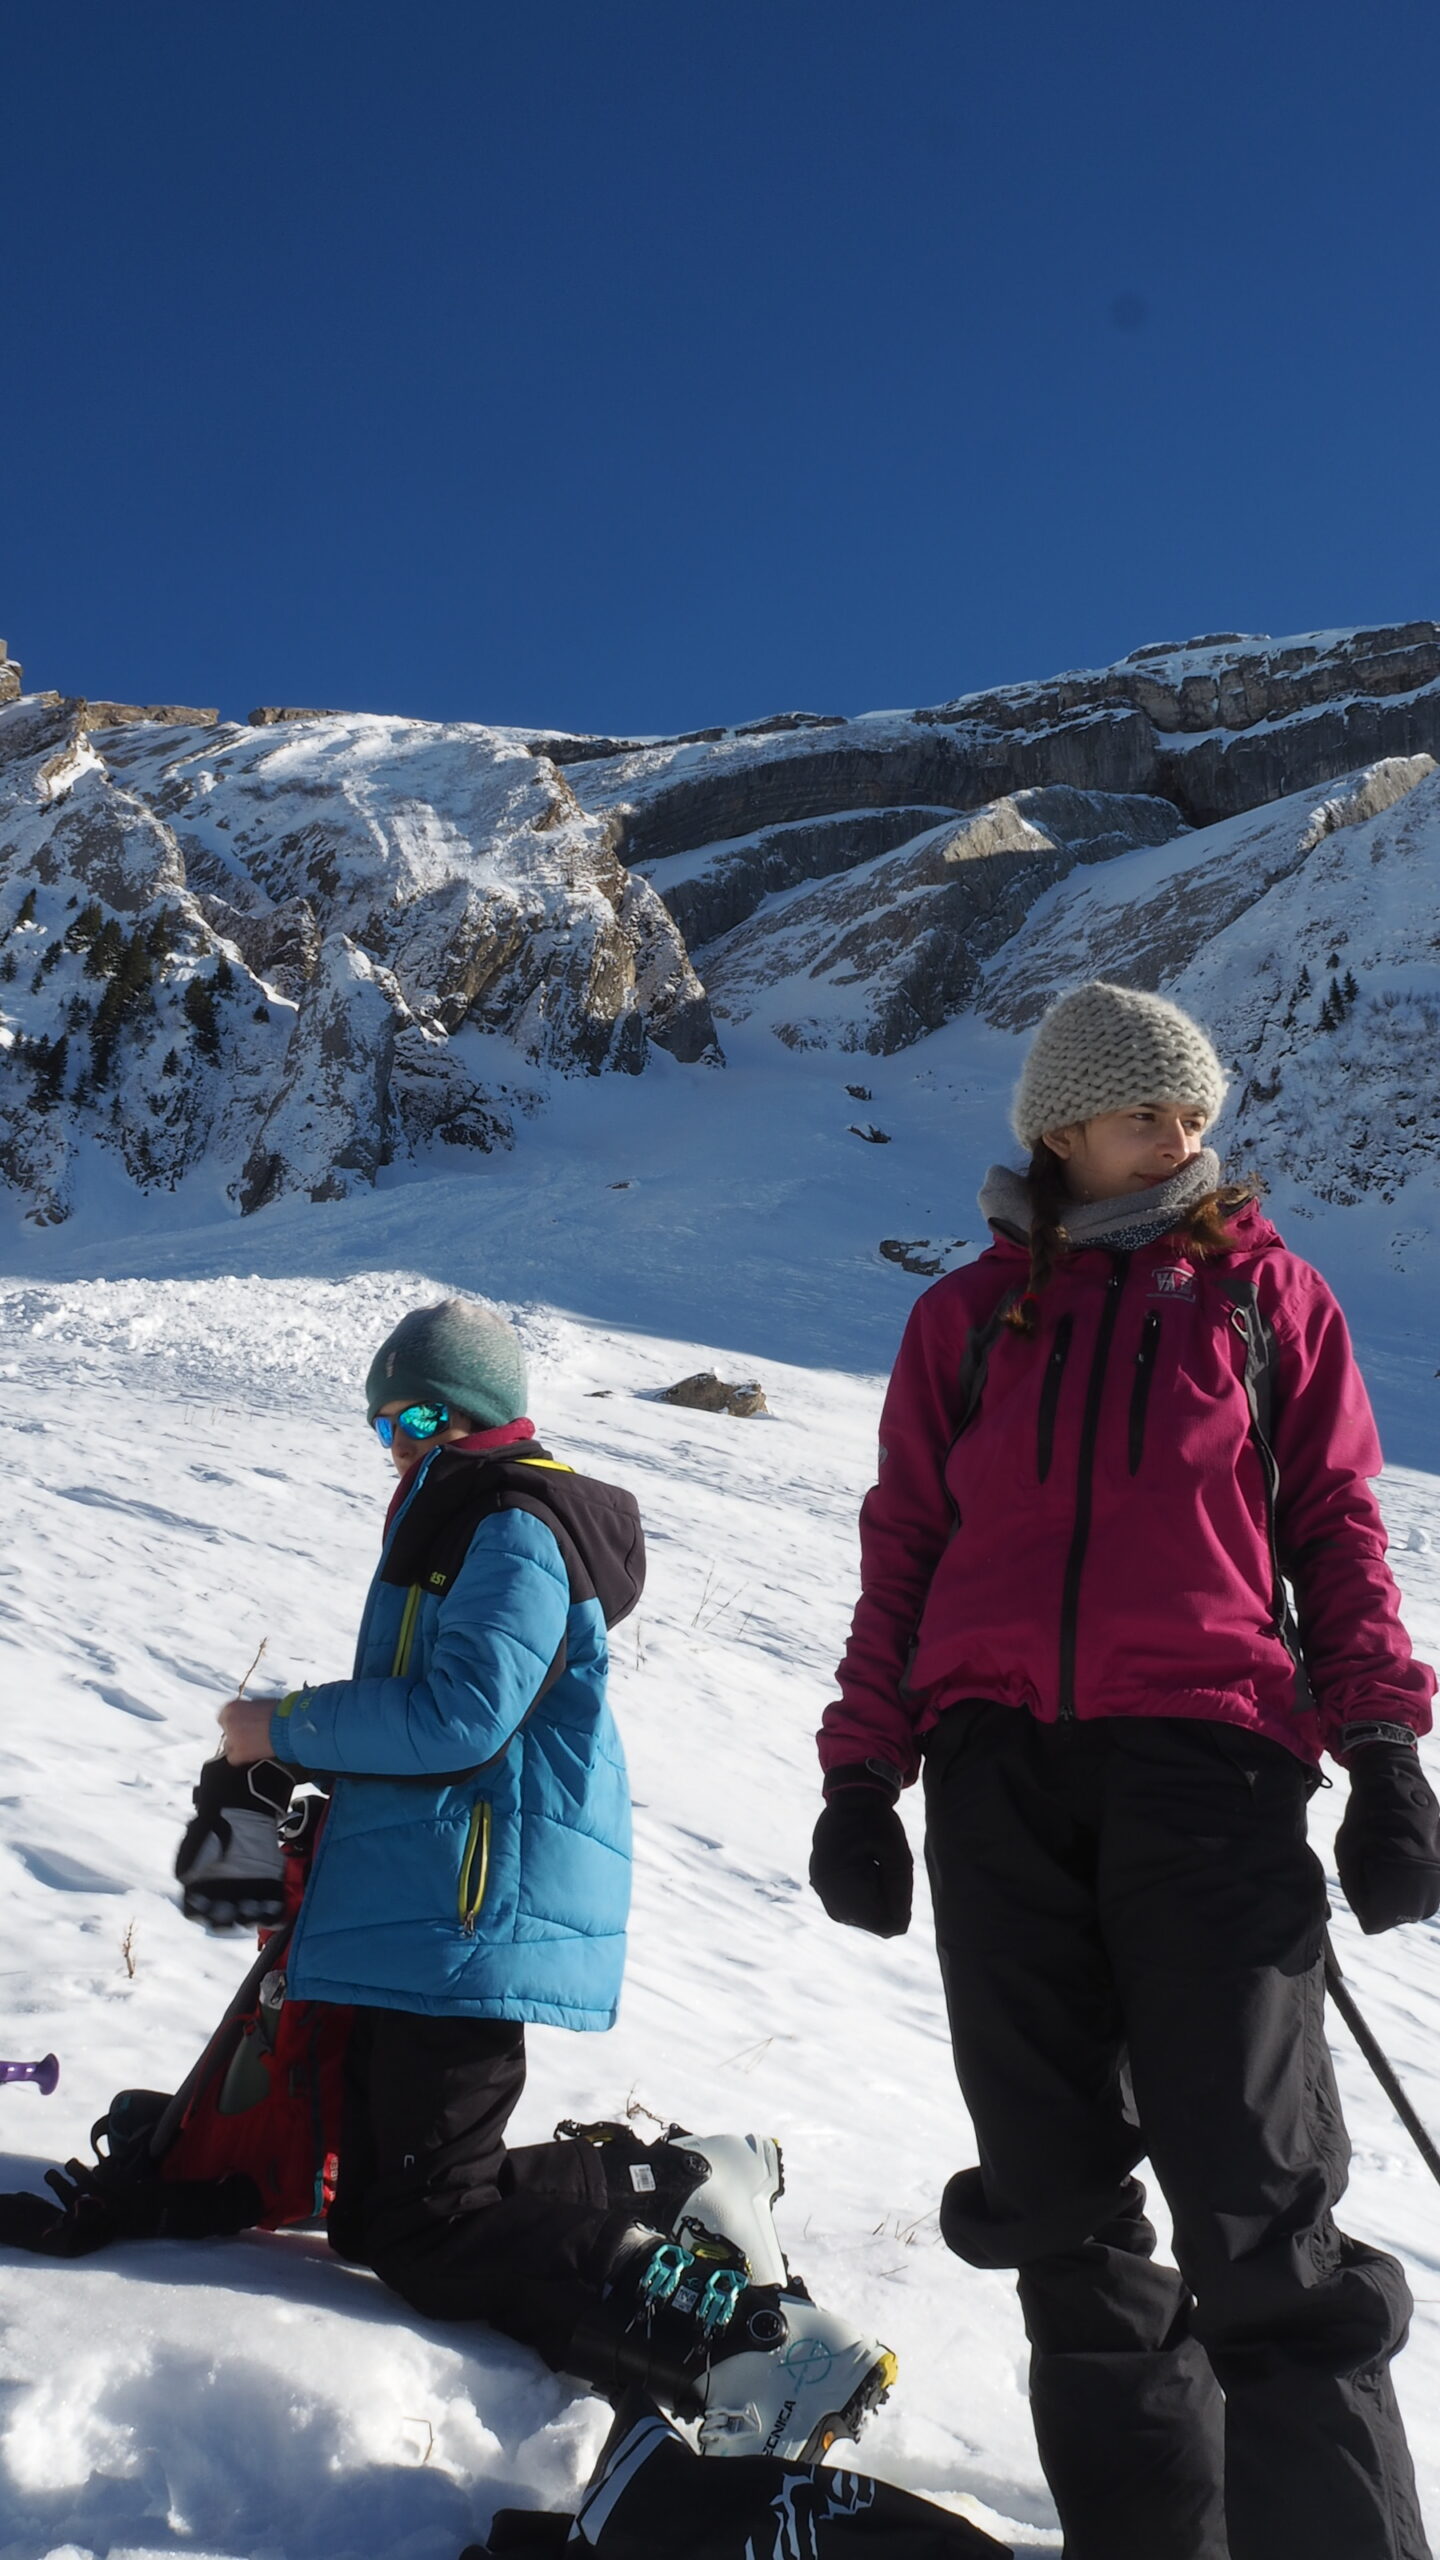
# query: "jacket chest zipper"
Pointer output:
{"type": "Point", "coordinates": [405, 1640]}
{"type": "Point", "coordinates": [1050, 1396]}
{"type": "Point", "coordinates": [1140, 1392]}
{"type": "Point", "coordinates": [1084, 1486]}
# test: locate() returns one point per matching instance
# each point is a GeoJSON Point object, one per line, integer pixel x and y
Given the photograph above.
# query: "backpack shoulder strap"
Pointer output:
{"type": "Point", "coordinates": [595, 1526]}
{"type": "Point", "coordinates": [975, 1360]}
{"type": "Point", "coordinates": [1259, 1378]}
{"type": "Point", "coordinates": [1258, 1334]}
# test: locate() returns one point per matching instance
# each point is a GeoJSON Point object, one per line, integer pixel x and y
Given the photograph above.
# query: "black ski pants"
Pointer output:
{"type": "Point", "coordinates": [1131, 1932]}
{"type": "Point", "coordinates": [430, 2197]}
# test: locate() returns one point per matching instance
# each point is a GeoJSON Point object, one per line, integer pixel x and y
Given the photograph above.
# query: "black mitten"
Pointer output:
{"type": "Point", "coordinates": [92, 2213]}
{"type": "Point", "coordinates": [38, 2224]}
{"type": "Point", "coordinates": [230, 1861]}
{"type": "Point", "coordinates": [860, 1862]}
{"type": "Point", "coordinates": [1388, 1846]}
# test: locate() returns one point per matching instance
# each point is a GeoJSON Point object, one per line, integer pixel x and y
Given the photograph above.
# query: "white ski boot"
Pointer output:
{"type": "Point", "coordinates": [697, 2187]}
{"type": "Point", "coordinates": [742, 2176]}
{"type": "Point", "coordinates": [764, 2369]}
{"type": "Point", "coordinates": [796, 2399]}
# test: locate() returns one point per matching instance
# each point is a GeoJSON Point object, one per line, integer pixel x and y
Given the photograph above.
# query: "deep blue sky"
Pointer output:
{"type": "Point", "coordinates": [639, 364]}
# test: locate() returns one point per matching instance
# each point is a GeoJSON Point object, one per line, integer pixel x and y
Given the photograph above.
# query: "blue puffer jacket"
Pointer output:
{"type": "Point", "coordinates": [501, 1894]}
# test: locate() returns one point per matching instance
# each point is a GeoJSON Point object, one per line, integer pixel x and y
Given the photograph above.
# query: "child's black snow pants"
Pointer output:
{"type": "Point", "coordinates": [430, 2197]}
{"type": "Point", "coordinates": [1131, 1933]}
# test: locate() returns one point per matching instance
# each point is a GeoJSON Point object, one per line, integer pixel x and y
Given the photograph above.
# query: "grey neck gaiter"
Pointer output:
{"type": "Point", "coordinates": [1117, 1225]}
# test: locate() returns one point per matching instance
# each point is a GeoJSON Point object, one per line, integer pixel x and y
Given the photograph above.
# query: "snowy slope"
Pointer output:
{"type": "Point", "coordinates": [184, 1470]}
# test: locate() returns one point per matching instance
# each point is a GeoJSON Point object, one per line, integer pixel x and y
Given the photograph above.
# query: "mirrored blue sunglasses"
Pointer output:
{"type": "Point", "coordinates": [418, 1422]}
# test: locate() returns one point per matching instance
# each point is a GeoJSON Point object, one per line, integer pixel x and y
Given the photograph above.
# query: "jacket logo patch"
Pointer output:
{"type": "Point", "coordinates": [1173, 1280]}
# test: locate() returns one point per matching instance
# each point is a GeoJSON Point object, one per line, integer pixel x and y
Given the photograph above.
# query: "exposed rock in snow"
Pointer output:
{"type": "Point", "coordinates": [1146, 920]}
{"type": "Point", "coordinates": [1307, 938]}
{"type": "Point", "coordinates": [669, 799]}
{"type": "Point", "coordinates": [705, 1393]}
{"type": "Point", "coordinates": [923, 1255]}
{"type": "Point", "coordinates": [1228, 680]}
{"type": "Point", "coordinates": [325, 942]}
{"type": "Point", "coordinates": [10, 676]}
{"type": "Point", "coordinates": [165, 715]}
{"type": "Point", "coordinates": [360, 1076]}
{"type": "Point", "coordinates": [369, 889]}
{"type": "Point", "coordinates": [671, 999]}
{"type": "Point", "coordinates": [270, 714]}
{"type": "Point", "coordinates": [891, 949]}
{"type": "Point", "coordinates": [1216, 726]}
{"type": "Point", "coordinates": [1379, 787]}
{"type": "Point", "coordinates": [710, 892]}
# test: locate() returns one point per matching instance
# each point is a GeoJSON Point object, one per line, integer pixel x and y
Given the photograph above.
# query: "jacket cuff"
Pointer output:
{"type": "Point", "coordinates": [280, 1715]}
{"type": "Point", "coordinates": [876, 1775]}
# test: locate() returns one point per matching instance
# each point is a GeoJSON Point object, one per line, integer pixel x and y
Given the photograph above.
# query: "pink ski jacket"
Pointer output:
{"type": "Point", "coordinates": [1106, 1533]}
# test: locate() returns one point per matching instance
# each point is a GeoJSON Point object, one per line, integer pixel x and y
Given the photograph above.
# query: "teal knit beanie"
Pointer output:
{"type": "Point", "coordinates": [462, 1354]}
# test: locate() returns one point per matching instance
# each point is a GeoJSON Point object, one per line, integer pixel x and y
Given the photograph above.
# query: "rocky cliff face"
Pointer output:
{"type": "Point", "coordinates": [895, 946]}
{"type": "Point", "coordinates": [300, 950]}
{"type": "Point", "coordinates": [257, 946]}
{"type": "Point", "coordinates": [1307, 936]}
{"type": "Point", "coordinates": [1215, 726]}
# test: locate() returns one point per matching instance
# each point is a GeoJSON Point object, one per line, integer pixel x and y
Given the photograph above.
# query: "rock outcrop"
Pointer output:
{"type": "Point", "coordinates": [1216, 725]}
{"type": "Point", "coordinates": [892, 948]}
{"type": "Point", "coordinates": [299, 949]}
{"type": "Point", "coordinates": [164, 715]}
{"type": "Point", "coordinates": [270, 715]}
{"type": "Point", "coordinates": [1304, 936]}
{"type": "Point", "coordinates": [1236, 719]}
{"type": "Point", "coordinates": [705, 1393]}
{"type": "Point", "coordinates": [302, 953]}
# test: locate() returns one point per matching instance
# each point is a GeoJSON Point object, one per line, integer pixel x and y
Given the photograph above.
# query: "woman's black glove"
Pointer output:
{"type": "Point", "coordinates": [1388, 1846]}
{"type": "Point", "coordinates": [860, 1862]}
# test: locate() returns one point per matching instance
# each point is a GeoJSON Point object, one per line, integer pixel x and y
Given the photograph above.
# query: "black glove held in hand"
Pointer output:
{"type": "Point", "coordinates": [230, 1861]}
{"type": "Point", "coordinates": [1388, 1846]}
{"type": "Point", "coordinates": [860, 1862]}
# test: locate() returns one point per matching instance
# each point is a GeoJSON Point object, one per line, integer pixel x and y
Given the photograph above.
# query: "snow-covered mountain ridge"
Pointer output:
{"type": "Point", "coordinates": [284, 957]}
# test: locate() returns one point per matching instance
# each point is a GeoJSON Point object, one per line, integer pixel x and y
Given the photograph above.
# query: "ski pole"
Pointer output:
{"type": "Point", "coordinates": [1378, 2060]}
{"type": "Point", "coordinates": [44, 2074]}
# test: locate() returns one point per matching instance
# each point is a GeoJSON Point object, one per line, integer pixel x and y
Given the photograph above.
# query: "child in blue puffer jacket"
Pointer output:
{"type": "Point", "coordinates": [472, 1874]}
{"type": "Point", "coordinates": [473, 1871]}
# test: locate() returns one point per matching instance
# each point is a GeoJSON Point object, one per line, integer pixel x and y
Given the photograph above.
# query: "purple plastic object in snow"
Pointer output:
{"type": "Point", "coordinates": [44, 2074]}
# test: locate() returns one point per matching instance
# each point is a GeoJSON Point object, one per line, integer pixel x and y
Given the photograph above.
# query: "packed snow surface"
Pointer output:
{"type": "Point", "coordinates": [185, 1471]}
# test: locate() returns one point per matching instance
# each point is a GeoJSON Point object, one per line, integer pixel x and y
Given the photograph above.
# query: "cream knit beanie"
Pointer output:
{"type": "Point", "coordinates": [1104, 1048]}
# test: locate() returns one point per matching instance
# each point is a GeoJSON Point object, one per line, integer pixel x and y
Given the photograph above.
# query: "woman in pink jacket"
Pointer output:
{"type": "Point", "coordinates": [1111, 1451]}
